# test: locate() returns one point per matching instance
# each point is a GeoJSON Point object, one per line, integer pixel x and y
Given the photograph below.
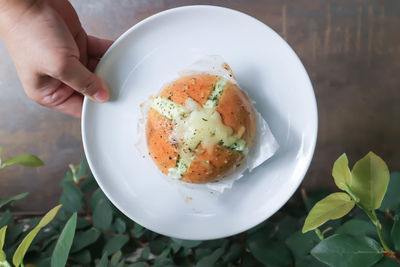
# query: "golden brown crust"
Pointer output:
{"type": "Point", "coordinates": [197, 87]}
{"type": "Point", "coordinates": [158, 129]}
{"type": "Point", "coordinates": [237, 112]}
{"type": "Point", "coordinates": [208, 165]}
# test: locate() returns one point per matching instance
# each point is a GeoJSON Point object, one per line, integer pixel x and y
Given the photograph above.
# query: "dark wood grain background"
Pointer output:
{"type": "Point", "coordinates": [350, 48]}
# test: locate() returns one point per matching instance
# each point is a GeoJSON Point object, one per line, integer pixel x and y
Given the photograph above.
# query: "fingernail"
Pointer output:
{"type": "Point", "coordinates": [101, 95]}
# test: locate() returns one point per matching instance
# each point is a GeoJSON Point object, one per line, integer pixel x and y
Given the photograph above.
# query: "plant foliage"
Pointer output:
{"type": "Point", "coordinates": [87, 230]}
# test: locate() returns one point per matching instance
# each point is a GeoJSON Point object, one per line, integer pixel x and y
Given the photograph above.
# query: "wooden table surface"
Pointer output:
{"type": "Point", "coordinates": [350, 48]}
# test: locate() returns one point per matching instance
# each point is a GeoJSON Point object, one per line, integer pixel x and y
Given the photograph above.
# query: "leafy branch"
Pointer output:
{"type": "Point", "coordinates": [88, 229]}
{"type": "Point", "coordinates": [19, 254]}
{"type": "Point", "coordinates": [365, 186]}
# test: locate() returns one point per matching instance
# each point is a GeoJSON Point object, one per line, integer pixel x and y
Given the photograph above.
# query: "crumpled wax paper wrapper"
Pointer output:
{"type": "Point", "coordinates": [264, 144]}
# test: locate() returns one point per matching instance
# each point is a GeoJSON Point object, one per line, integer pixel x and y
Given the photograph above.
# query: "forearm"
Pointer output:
{"type": "Point", "coordinates": [12, 11]}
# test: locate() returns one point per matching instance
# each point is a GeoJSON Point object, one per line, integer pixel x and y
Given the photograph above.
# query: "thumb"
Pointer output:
{"type": "Point", "coordinates": [79, 78]}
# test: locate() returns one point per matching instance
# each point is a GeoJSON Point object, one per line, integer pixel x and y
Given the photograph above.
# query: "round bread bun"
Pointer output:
{"type": "Point", "coordinates": [208, 162]}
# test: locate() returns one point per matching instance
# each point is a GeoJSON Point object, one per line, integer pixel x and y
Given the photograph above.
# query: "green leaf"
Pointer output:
{"type": "Point", "coordinates": [267, 251]}
{"type": "Point", "coordinates": [5, 201]}
{"type": "Point", "coordinates": [84, 239]}
{"type": "Point", "coordinates": [44, 262]}
{"type": "Point", "coordinates": [83, 256]}
{"type": "Point", "coordinates": [164, 254]}
{"type": "Point", "coordinates": [357, 227]}
{"type": "Point", "coordinates": [82, 223]}
{"type": "Point", "coordinates": [115, 243]}
{"type": "Point", "coordinates": [49, 216]}
{"type": "Point", "coordinates": [370, 180]}
{"type": "Point", "coordinates": [334, 206]}
{"type": "Point", "coordinates": [210, 260]}
{"type": "Point", "coordinates": [149, 235]}
{"type": "Point", "coordinates": [13, 232]}
{"type": "Point", "coordinates": [183, 252]}
{"type": "Point", "coordinates": [24, 245]}
{"type": "Point", "coordinates": [6, 218]}
{"type": "Point", "coordinates": [103, 215]}
{"type": "Point", "coordinates": [145, 253]}
{"type": "Point", "coordinates": [341, 172]}
{"type": "Point", "coordinates": [116, 257]}
{"type": "Point", "coordinates": [359, 214]}
{"type": "Point", "coordinates": [24, 160]}
{"type": "Point", "coordinates": [138, 231]}
{"type": "Point", "coordinates": [301, 244]}
{"type": "Point", "coordinates": [286, 227]}
{"type": "Point", "coordinates": [308, 261]}
{"type": "Point", "coordinates": [2, 238]}
{"type": "Point", "coordinates": [386, 226]}
{"type": "Point", "coordinates": [233, 254]}
{"type": "Point", "coordinates": [187, 243]}
{"type": "Point", "coordinates": [67, 178]}
{"type": "Point", "coordinates": [387, 262]}
{"type": "Point", "coordinates": [137, 264]}
{"type": "Point", "coordinates": [264, 226]}
{"type": "Point", "coordinates": [348, 251]}
{"type": "Point", "coordinates": [248, 260]}
{"type": "Point", "coordinates": [120, 225]}
{"type": "Point", "coordinates": [201, 252]}
{"type": "Point", "coordinates": [73, 169]}
{"type": "Point", "coordinates": [62, 218]}
{"type": "Point", "coordinates": [1, 150]}
{"type": "Point", "coordinates": [83, 169]}
{"type": "Point", "coordinates": [175, 247]}
{"type": "Point", "coordinates": [394, 234]}
{"type": "Point", "coordinates": [50, 243]}
{"type": "Point", "coordinates": [163, 262]}
{"type": "Point", "coordinates": [71, 198]}
{"type": "Point", "coordinates": [213, 244]}
{"type": "Point", "coordinates": [96, 197]}
{"type": "Point", "coordinates": [89, 184]}
{"type": "Point", "coordinates": [104, 260]}
{"type": "Point", "coordinates": [63, 246]}
{"type": "Point", "coordinates": [158, 245]}
{"type": "Point", "coordinates": [391, 201]}
{"type": "Point", "coordinates": [314, 196]}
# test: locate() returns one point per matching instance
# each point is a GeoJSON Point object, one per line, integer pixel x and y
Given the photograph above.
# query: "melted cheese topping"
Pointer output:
{"type": "Point", "coordinates": [201, 126]}
{"type": "Point", "coordinates": [194, 125]}
{"type": "Point", "coordinates": [205, 126]}
{"type": "Point", "coordinates": [167, 108]}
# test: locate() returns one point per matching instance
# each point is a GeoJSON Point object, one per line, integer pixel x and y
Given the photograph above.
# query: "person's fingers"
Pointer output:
{"type": "Point", "coordinates": [71, 106]}
{"type": "Point", "coordinates": [92, 63]}
{"type": "Point", "coordinates": [71, 72]}
{"type": "Point", "coordinates": [96, 47]}
{"type": "Point", "coordinates": [58, 96]}
{"type": "Point", "coordinates": [54, 95]}
{"type": "Point", "coordinates": [81, 43]}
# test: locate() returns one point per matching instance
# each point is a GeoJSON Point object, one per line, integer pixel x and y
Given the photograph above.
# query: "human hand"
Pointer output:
{"type": "Point", "coordinates": [52, 53]}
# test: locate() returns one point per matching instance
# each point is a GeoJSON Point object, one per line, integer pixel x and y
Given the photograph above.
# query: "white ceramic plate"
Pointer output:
{"type": "Point", "coordinates": [149, 55]}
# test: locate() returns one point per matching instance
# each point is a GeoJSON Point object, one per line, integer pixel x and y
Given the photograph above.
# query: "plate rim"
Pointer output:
{"type": "Point", "coordinates": [315, 118]}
